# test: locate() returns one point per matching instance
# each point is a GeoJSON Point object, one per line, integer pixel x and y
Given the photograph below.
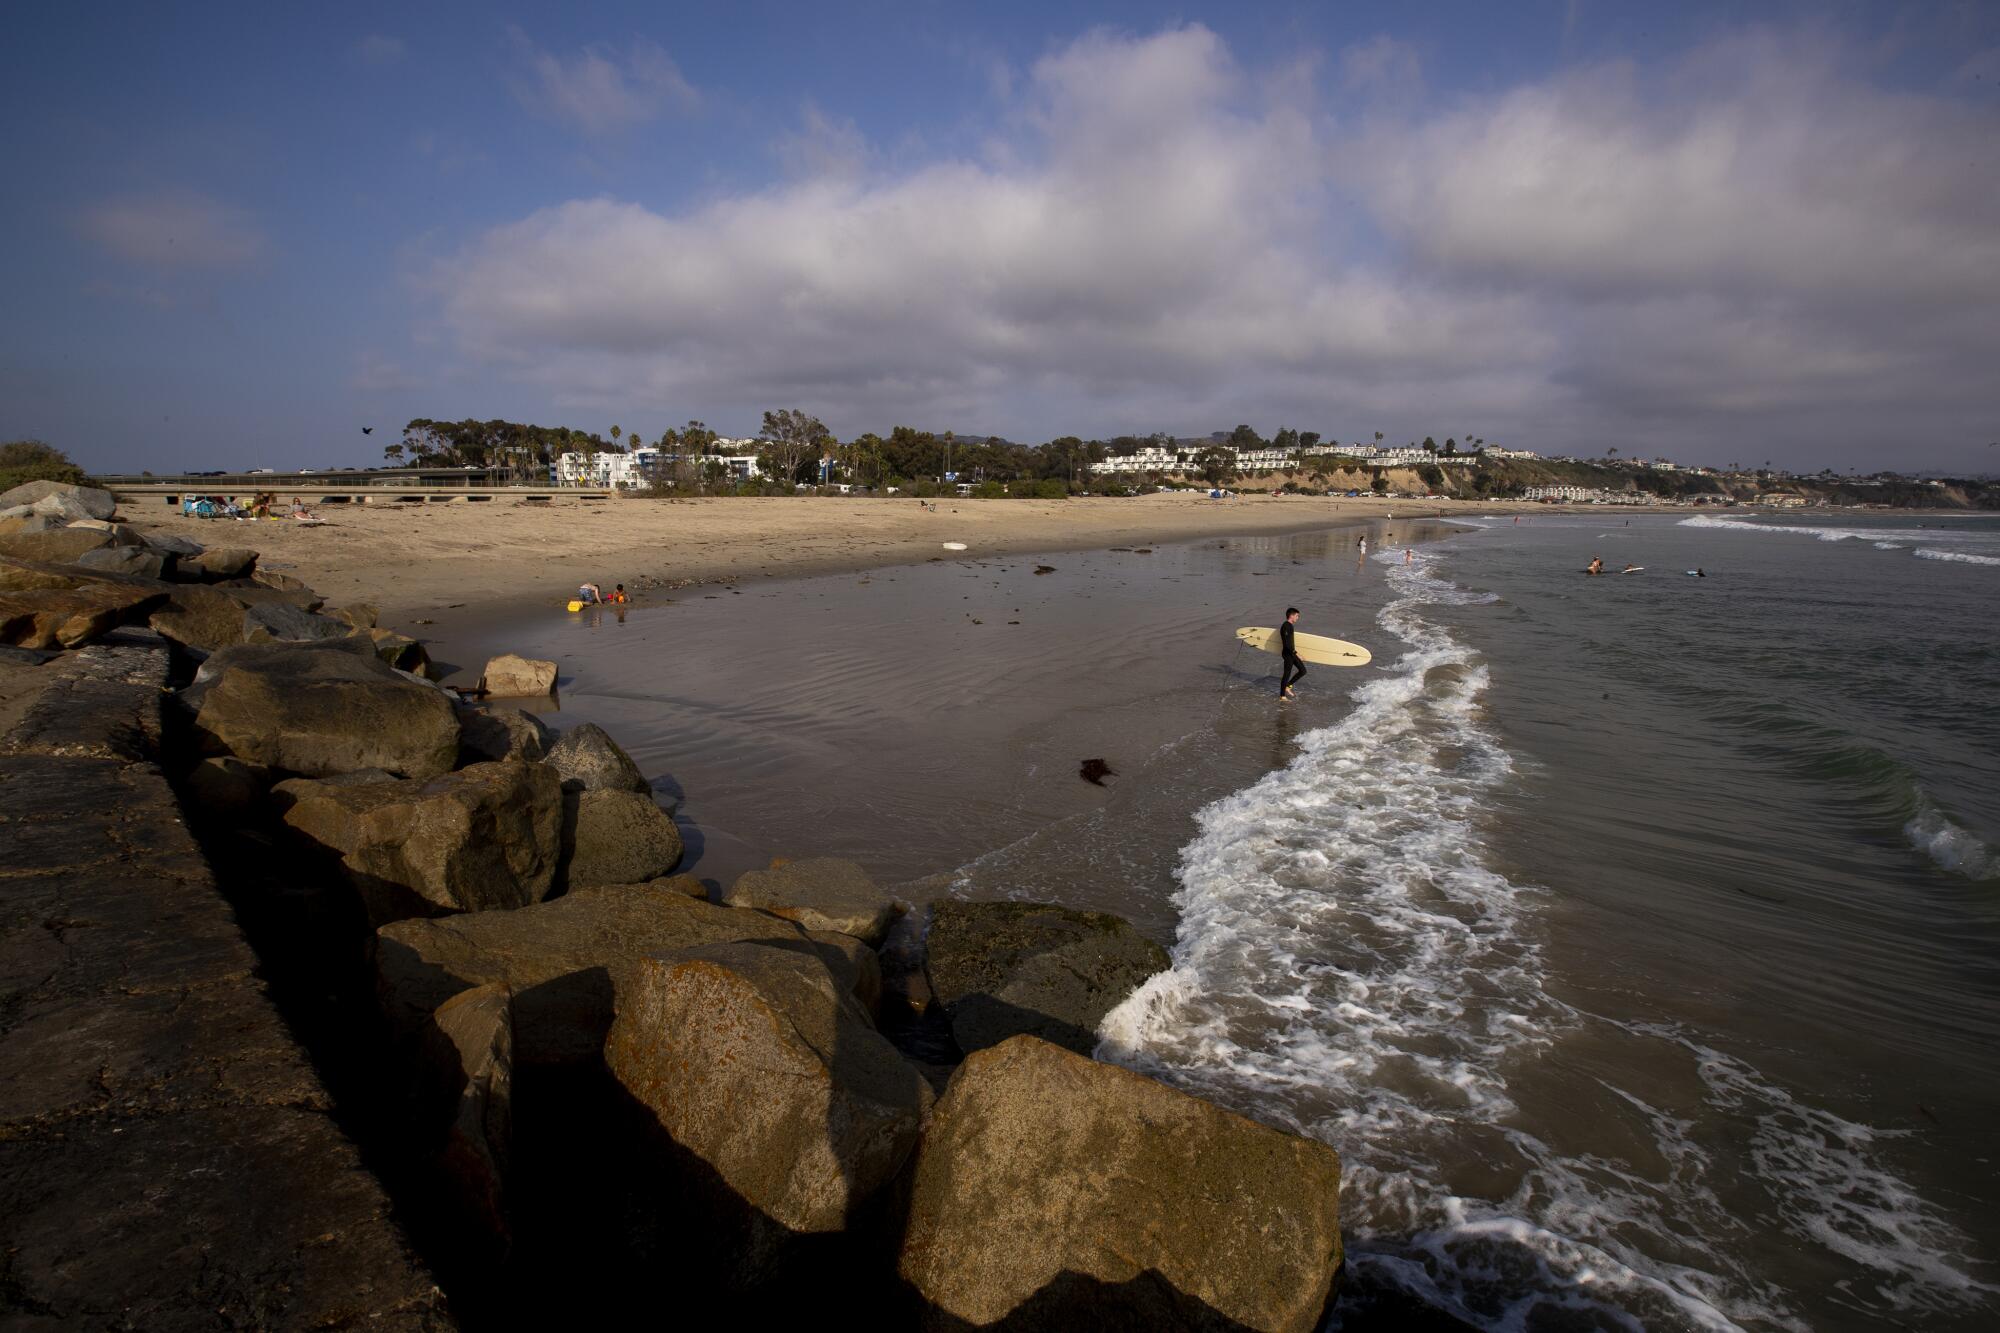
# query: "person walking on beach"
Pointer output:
{"type": "Point", "coordinates": [1295, 667]}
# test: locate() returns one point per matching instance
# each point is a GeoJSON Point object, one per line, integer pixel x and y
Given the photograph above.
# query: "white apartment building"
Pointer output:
{"type": "Point", "coordinates": [1150, 459]}
{"type": "Point", "coordinates": [633, 470]}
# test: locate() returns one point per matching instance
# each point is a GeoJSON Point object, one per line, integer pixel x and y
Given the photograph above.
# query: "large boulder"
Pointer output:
{"type": "Point", "coordinates": [171, 543]}
{"type": "Point", "coordinates": [320, 709]}
{"type": "Point", "coordinates": [254, 591]}
{"type": "Point", "coordinates": [500, 733]}
{"type": "Point", "coordinates": [138, 561]}
{"type": "Point", "coordinates": [398, 650]}
{"type": "Point", "coordinates": [89, 501]}
{"type": "Point", "coordinates": [60, 507]}
{"type": "Point", "coordinates": [361, 615]}
{"type": "Point", "coordinates": [23, 519]}
{"type": "Point", "coordinates": [756, 1062]}
{"type": "Point", "coordinates": [482, 838]}
{"type": "Point", "coordinates": [557, 957]}
{"type": "Point", "coordinates": [280, 622]}
{"type": "Point", "coordinates": [227, 791]}
{"type": "Point", "coordinates": [589, 760]}
{"type": "Point", "coordinates": [18, 575]}
{"type": "Point", "coordinates": [616, 837]}
{"type": "Point", "coordinates": [60, 546]}
{"type": "Point", "coordinates": [70, 617]}
{"type": "Point", "coordinates": [468, 1086]}
{"type": "Point", "coordinates": [281, 582]}
{"type": "Point", "coordinates": [509, 675]}
{"type": "Point", "coordinates": [820, 893]}
{"type": "Point", "coordinates": [1054, 1192]}
{"type": "Point", "coordinates": [218, 562]}
{"type": "Point", "coordinates": [1005, 968]}
{"type": "Point", "coordinates": [205, 619]}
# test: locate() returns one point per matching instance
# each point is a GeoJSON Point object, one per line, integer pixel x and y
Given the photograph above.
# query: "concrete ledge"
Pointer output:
{"type": "Point", "coordinates": [168, 1156]}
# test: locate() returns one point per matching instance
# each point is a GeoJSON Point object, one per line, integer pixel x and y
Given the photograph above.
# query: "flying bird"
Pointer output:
{"type": "Point", "coordinates": [367, 430]}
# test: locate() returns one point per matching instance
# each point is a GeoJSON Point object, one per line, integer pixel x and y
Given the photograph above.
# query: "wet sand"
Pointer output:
{"type": "Point", "coordinates": [413, 560]}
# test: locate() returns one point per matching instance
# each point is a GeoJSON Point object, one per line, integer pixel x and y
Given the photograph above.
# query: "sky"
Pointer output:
{"type": "Point", "coordinates": [237, 234]}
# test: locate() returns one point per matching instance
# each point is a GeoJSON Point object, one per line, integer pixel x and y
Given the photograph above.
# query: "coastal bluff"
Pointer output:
{"type": "Point", "coordinates": [330, 996]}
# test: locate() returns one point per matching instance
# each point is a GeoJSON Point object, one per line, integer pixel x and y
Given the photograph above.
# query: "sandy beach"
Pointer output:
{"type": "Point", "coordinates": [411, 559]}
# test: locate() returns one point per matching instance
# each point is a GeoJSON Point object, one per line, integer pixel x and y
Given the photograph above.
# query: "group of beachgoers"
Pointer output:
{"type": "Point", "coordinates": [592, 594]}
{"type": "Point", "coordinates": [261, 505]}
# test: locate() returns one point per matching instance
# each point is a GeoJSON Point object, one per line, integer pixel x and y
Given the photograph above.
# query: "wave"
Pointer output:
{"type": "Point", "coordinates": [1953, 848]}
{"type": "Point", "coordinates": [1745, 525]}
{"type": "Point", "coordinates": [1924, 553]}
{"type": "Point", "coordinates": [1350, 965]}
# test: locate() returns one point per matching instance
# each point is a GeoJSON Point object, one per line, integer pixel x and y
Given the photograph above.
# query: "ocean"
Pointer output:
{"type": "Point", "coordinates": [1633, 937]}
{"type": "Point", "coordinates": [1636, 939]}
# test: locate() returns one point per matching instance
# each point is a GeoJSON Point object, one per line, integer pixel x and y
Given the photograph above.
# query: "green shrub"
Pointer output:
{"type": "Point", "coordinates": [1052, 489]}
{"type": "Point", "coordinates": [988, 490]}
{"type": "Point", "coordinates": [22, 461]}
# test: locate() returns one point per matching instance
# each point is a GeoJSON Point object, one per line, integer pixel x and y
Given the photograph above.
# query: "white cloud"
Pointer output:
{"type": "Point", "coordinates": [176, 229]}
{"type": "Point", "coordinates": [823, 145]}
{"type": "Point", "coordinates": [600, 90]}
{"type": "Point", "coordinates": [1750, 241]}
{"type": "Point", "coordinates": [379, 49]}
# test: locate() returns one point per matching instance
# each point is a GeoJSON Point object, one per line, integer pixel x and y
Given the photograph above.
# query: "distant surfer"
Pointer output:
{"type": "Point", "coordinates": [1295, 667]}
{"type": "Point", "coordinates": [1596, 565]}
{"type": "Point", "coordinates": [1631, 569]}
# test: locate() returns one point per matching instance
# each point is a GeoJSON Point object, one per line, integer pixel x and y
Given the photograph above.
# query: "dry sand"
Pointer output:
{"type": "Point", "coordinates": [414, 558]}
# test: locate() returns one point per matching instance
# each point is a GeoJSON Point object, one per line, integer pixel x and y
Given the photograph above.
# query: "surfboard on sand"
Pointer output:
{"type": "Point", "coordinates": [1312, 647]}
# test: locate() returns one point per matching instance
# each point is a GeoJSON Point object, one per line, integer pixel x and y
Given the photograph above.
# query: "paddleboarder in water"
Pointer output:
{"type": "Point", "coordinates": [1295, 667]}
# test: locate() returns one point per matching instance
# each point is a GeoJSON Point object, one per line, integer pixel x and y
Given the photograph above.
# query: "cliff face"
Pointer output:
{"type": "Point", "coordinates": [1501, 479]}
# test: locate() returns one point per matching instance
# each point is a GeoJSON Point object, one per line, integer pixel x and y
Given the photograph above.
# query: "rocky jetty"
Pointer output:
{"type": "Point", "coordinates": [585, 1081]}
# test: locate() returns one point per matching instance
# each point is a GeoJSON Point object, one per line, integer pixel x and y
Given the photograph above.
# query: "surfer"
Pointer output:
{"type": "Point", "coordinates": [1295, 667]}
{"type": "Point", "coordinates": [1631, 569]}
{"type": "Point", "coordinates": [1596, 565]}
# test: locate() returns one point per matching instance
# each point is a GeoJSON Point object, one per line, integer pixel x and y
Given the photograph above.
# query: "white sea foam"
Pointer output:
{"type": "Point", "coordinates": [1349, 965]}
{"type": "Point", "coordinates": [1924, 553]}
{"type": "Point", "coordinates": [1875, 536]}
{"type": "Point", "coordinates": [1956, 849]}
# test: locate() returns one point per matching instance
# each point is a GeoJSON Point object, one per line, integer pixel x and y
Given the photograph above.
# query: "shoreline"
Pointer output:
{"type": "Point", "coordinates": [414, 561]}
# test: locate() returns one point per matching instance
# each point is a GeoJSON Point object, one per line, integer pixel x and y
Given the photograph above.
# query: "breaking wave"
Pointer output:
{"type": "Point", "coordinates": [1925, 553]}
{"type": "Point", "coordinates": [1349, 965]}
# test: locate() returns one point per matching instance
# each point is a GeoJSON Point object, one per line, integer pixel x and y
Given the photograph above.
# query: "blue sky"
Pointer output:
{"type": "Point", "coordinates": [237, 234]}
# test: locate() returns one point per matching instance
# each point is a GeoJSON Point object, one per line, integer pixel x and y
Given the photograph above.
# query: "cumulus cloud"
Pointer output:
{"type": "Point", "coordinates": [175, 229]}
{"type": "Point", "coordinates": [1748, 240]}
{"type": "Point", "coordinates": [599, 89]}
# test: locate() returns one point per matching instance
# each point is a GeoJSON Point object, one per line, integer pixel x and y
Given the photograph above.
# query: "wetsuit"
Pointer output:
{"type": "Point", "coordinates": [1295, 668]}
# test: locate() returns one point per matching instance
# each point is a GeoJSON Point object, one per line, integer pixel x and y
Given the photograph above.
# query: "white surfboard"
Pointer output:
{"type": "Point", "coordinates": [1311, 647]}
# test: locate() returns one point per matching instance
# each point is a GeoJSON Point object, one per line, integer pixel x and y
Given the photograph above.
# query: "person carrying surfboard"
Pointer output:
{"type": "Point", "coordinates": [1295, 667]}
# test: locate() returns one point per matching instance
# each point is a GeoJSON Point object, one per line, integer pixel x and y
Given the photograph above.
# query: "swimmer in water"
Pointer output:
{"type": "Point", "coordinates": [1596, 565]}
